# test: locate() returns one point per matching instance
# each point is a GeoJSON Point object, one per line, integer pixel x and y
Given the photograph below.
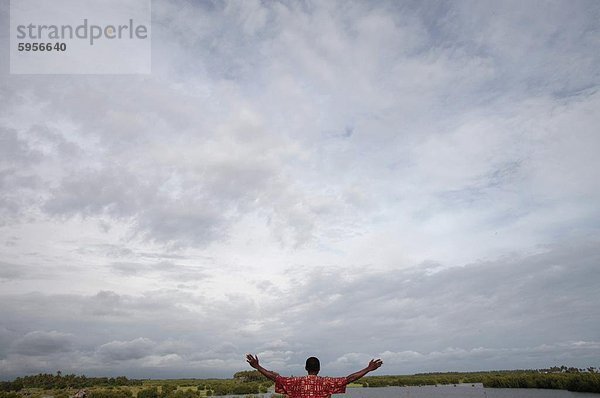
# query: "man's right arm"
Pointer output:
{"type": "Point", "coordinates": [373, 364]}
{"type": "Point", "coordinates": [253, 361]}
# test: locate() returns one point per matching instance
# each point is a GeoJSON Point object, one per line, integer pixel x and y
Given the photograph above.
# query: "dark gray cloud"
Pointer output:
{"type": "Point", "coordinates": [92, 192]}
{"type": "Point", "coordinates": [41, 343]}
{"type": "Point", "coordinates": [15, 272]}
{"type": "Point", "coordinates": [7, 336]}
{"type": "Point", "coordinates": [183, 223]}
{"type": "Point", "coordinates": [124, 350]}
{"type": "Point", "coordinates": [11, 271]}
{"type": "Point", "coordinates": [15, 151]}
{"type": "Point", "coordinates": [528, 51]}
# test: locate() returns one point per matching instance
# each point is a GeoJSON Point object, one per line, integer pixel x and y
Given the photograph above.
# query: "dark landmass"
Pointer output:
{"type": "Point", "coordinates": [561, 379]}
{"type": "Point", "coordinates": [252, 383]}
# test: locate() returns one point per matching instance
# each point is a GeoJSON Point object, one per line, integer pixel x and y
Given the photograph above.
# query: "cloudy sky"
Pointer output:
{"type": "Point", "coordinates": [415, 181]}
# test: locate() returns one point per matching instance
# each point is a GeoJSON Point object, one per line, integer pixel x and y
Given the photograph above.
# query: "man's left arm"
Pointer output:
{"type": "Point", "coordinates": [373, 364]}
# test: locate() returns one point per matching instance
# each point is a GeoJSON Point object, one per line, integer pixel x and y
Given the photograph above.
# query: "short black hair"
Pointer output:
{"type": "Point", "coordinates": [313, 364]}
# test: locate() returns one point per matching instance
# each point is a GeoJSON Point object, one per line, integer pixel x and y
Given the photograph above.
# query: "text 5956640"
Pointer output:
{"type": "Point", "coordinates": [41, 47]}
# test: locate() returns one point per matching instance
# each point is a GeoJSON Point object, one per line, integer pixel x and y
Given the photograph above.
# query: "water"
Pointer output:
{"type": "Point", "coordinates": [459, 391]}
{"type": "Point", "coordinates": [448, 391]}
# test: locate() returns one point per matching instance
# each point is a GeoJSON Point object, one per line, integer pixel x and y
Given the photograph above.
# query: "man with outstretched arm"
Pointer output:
{"type": "Point", "coordinates": [311, 385]}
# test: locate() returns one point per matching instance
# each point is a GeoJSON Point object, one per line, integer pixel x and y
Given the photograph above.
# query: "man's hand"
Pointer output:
{"type": "Point", "coordinates": [374, 364]}
{"type": "Point", "coordinates": [252, 360]}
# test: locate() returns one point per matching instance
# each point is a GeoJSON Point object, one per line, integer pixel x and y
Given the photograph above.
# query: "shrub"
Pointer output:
{"type": "Point", "coordinates": [110, 393]}
{"type": "Point", "coordinates": [148, 393]}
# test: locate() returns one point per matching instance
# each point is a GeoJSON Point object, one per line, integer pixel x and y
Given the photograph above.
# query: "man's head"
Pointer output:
{"type": "Point", "coordinates": [312, 365]}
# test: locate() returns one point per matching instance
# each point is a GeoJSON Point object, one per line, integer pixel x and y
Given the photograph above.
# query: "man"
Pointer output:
{"type": "Point", "coordinates": [311, 386]}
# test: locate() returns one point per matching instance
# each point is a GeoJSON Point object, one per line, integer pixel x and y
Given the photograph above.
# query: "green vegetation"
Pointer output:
{"type": "Point", "coordinates": [250, 375]}
{"type": "Point", "coordinates": [571, 379]}
{"type": "Point", "coordinates": [60, 381]}
{"type": "Point", "coordinates": [59, 386]}
{"type": "Point", "coordinates": [110, 393]}
{"type": "Point", "coordinates": [251, 383]}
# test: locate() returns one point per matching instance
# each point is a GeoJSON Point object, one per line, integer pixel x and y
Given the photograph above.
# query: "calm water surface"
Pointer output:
{"type": "Point", "coordinates": [460, 391]}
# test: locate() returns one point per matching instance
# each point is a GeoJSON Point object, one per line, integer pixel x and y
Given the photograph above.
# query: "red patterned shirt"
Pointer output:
{"type": "Point", "coordinates": [311, 386]}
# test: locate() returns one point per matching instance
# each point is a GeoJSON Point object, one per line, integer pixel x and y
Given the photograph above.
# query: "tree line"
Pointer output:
{"type": "Point", "coordinates": [243, 383]}
{"type": "Point", "coordinates": [570, 379]}
{"type": "Point", "coordinates": [59, 381]}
